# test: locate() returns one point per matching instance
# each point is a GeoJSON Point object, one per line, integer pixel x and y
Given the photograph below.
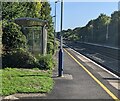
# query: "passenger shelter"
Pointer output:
{"type": "Point", "coordinates": [36, 33]}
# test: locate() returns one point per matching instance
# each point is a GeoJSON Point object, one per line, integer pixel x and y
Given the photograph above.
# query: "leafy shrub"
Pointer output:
{"type": "Point", "coordinates": [19, 58]}
{"type": "Point", "coordinates": [12, 36]}
{"type": "Point", "coordinates": [50, 48]}
{"type": "Point", "coordinates": [46, 62]}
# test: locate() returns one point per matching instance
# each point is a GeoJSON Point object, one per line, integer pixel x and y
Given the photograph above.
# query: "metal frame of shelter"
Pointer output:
{"type": "Point", "coordinates": [35, 22]}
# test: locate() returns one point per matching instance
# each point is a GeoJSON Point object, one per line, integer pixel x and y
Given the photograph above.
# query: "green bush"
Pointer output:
{"type": "Point", "coordinates": [19, 58]}
{"type": "Point", "coordinates": [46, 62]}
{"type": "Point", "coordinates": [12, 36]}
{"type": "Point", "coordinates": [50, 48]}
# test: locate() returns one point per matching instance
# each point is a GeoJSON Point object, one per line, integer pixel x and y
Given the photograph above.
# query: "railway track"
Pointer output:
{"type": "Point", "coordinates": [108, 57]}
{"type": "Point", "coordinates": [104, 50]}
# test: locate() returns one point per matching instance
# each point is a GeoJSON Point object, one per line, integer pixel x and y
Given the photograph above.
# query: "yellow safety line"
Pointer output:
{"type": "Point", "coordinates": [102, 85]}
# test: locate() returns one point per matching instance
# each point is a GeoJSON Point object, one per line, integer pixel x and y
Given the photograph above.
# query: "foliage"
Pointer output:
{"type": "Point", "coordinates": [96, 31]}
{"type": "Point", "coordinates": [12, 10]}
{"type": "Point", "coordinates": [41, 10]}
{"type": "Point", "coordinates": [18, 58]}
{"type": "Point", "coordinates": [25, 81]}
{"type": "Point", "coordinates": [12, 36]}
{"type": "Point", "coordinates": [114, 28]}
{"type": "Point", "coordinates": [14, 39]}
{"type": "Point", "coordinates": [50, 48]}
{"type": "Point", "coordinates": [46, 62]}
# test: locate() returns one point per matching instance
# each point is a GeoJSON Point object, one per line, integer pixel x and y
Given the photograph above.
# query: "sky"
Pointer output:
{"type": "Point", "coordinates": [78, 14]}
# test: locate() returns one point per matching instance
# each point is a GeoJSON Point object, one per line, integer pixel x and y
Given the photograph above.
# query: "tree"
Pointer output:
{"type": "Point", "coordinates": [12, 36]}
{"type": "Point", "coordinates": [41, 10]}
{"type": "Point", "coordinates": [102, 30]}
{"type": "Point", "coordinates": [14, 40]}
{"type": "Point", "coordinates": [114, 33]}
{"type": "Point", "coordinates": [12, 10]}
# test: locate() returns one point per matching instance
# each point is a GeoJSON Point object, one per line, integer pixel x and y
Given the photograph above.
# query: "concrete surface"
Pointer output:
{"type": "Point", "coordinates": [76, 83]}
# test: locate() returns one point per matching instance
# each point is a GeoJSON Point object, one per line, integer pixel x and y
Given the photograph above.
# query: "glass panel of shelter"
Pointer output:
{"type": "Point", "coordinates": [34, 39]}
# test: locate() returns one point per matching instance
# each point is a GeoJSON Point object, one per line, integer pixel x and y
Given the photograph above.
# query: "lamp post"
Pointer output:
{"type": "Point", "coordinates": [60, 65]}
{"type": "Point", "coordinates": [55, 24]}
{"type": "Point", "coordinates": [91, 31]}
{"type": "Point", "coordinates": [107, 29]}
{"type": "Point", "coordinates": [107, 32]}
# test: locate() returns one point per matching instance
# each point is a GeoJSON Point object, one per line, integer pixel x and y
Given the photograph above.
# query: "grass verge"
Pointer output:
{"type": "Point", "coordinates": [25, 81]}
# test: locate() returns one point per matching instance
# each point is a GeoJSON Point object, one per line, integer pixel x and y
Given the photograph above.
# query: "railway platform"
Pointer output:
{"type": "Point", "coordinates": [83, 79]}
